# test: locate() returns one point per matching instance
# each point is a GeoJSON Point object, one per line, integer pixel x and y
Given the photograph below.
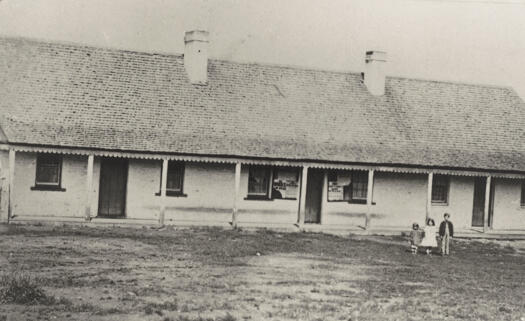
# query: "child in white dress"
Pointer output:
{"type": "Point", "coordinates": [429, 240]}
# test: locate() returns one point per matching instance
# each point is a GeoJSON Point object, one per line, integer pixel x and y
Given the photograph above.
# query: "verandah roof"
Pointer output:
{"type": "Point", "coordinates": [76, 96]}
{"type": "Point", "coordinates": [269, 162]}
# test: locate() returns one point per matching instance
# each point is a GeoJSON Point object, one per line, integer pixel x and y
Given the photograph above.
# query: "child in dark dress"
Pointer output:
{"type": "Point", "coordinates": [416, 235]}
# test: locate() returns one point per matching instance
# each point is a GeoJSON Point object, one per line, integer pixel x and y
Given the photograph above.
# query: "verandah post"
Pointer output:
{"type": "Point", "coordinates": [302, 199]}
{"type": "Point", "coordinates": [11, 184]}
{"type": "Point", "coordinates": [429, 195]}
{"type": "Point", "coordinates": [369, 195]}
{"type": "Point", "coordinates": [324, 196]}
{"type": "Point", "coordinates": [487, 204]}
{"type": "Point", "coordinates": [163, 182]}
{"type": "Point", "coordinates": [236, 193]}
{"type": "Point", "coordinates": [89, 185]}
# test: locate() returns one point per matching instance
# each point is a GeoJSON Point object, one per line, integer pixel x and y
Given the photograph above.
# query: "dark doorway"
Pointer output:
{"type": "Point", "coordinates": [491, 202]}
{"type": "Point", "coordinates": [112, 189]}
{"type": "Point", "coordinates": [479, 201]}
{"type": "Point", "coordinates": [314, 192]}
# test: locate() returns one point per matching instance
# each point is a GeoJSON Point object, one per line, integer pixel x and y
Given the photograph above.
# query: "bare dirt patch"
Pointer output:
{"type": "Point", "coordinates": [214, 274]}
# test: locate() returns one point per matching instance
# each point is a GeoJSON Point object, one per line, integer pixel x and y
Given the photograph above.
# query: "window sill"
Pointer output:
{"type": "Point", "coordinates": [173, 194]}
{"type": "Point", "coordinates": [47, 188]}
{"type": "Point", "coordinates": [363, 202]}
{"type": "Point", "coordinates": [257, 198]}
{"type": "Point", "coordinates": [109, 217]}
{"type": "Point", "coordinates": [439, 203]}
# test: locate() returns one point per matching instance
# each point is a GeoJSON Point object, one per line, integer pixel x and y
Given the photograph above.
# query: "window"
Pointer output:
{"type": "Point", "coordinates": [440, 185]}
{"type": "Point", "coordinates": [522, 199]}
{"type": "Point", "coordinates": [285, 183]}
{"type": "Point", "coordinates": [268, 183]}
{"type": "Point", "coordinates": [174, 179]}
{"type": "Point", "coordinates": [258, 182]}
{"type": "Point", "coordinates": [359, 186]}
{"type": "Point", "coordinates": [48, 172]}
{"type": "Point", "coordinates": [348, 186]}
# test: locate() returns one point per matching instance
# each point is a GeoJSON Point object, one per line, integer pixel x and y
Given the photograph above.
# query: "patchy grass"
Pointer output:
{"type": "Point", "coordinates": [22, 288]}
{"type": "Point", "coordinates": [214, 274]}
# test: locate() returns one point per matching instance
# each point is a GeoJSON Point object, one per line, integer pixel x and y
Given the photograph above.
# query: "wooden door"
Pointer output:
{"type": "Point", "coordinates": [314, 192]}
{"type": "Point", "coordinates": [112, 189]}
{"type": "Point", "coordinates": [479, 201]}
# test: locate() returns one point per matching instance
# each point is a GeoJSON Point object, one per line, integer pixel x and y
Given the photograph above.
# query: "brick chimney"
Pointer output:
{"type": "Point", "coordinates": [375, 74]}
{"type": "Point", "coordinates": [196, 56]}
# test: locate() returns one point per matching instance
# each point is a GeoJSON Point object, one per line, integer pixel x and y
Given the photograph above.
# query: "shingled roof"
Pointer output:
{"type": "Point", "coordinates": [68, 95]}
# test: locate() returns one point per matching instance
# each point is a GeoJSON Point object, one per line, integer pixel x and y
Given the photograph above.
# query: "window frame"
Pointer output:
{"type": "Point", "coordinates": [364, 176]}
{"type": "Point", "coordinates": [289, 169]}
{"type": "Point", "coordinates": [442, 178]}
{"type": "Point", "coordinates": [272, 170]}
{"type": "Point", "coordinates": [260, 196]}
{"type": "Point", "coordinates": [172, 192]}
{"type": "Point", "coordinates": [41, 159]}
{"type": "Point", "coordinates": [349, 188]}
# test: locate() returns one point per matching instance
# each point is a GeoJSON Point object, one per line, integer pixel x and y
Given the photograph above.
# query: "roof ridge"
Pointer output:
{"type": "Point", "coordinates": [88, 46]}
{"type": "Point", "coordinates": [446, 81]}
{"type": "Point", "coordinates": [249, 63]}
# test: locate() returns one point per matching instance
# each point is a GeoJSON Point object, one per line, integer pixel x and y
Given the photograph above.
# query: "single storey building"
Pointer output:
{"type": "Point", "coordinates": [104, 135]}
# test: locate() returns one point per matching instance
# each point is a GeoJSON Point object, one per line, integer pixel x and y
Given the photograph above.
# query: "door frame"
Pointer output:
{"type": "Point", "coordinates": [125, 161]}
{"type": "Point", "coordinates": [490, 212]}
{"type": "Point", "coordinates": [482, 181]}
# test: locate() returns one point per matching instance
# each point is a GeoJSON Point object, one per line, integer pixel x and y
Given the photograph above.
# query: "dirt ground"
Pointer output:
{"type": "Point", "coordinates": [213, 274]}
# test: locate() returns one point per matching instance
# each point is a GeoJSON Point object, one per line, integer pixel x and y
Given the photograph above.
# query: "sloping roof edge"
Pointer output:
{"type": "Point", "coordinates": [232, 159]}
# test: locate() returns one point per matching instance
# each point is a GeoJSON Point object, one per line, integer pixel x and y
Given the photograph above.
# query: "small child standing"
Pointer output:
{"type": "Point", "coordinates": [446, 232]}
{"type": "Point", "coordinates": [429, 240]}
{"type": "Point", "coordinates": [415, 237]}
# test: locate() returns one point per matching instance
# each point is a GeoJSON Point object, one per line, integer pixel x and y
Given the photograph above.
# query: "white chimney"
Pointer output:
{"type": "Point", "coordinates": [375, 74]}
{"type": "Point", "coordinates": [196, 56]}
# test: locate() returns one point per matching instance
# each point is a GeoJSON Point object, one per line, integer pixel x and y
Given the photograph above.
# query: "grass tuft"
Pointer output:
{"type": "Point", "coordinates": [22, 288]}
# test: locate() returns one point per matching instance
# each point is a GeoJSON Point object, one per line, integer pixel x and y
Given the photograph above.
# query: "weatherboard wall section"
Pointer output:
{"type": "Point", "coordinates": [207, 193]}
{"type": "Point", "coordinates": [69, 203]}
{"type": "Point", "coordinates": [508, 212]}
{"type": "Point", "coordinates": [460, 202]}
{"type": "Point", "coordinates": [272, 211]}
{"type": "Point", "coordinates": [398, 200]}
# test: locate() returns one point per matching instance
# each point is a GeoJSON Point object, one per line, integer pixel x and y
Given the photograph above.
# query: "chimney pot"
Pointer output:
{"type": "Point", "coordinates": [375, 73]}
{"type": "Point", "coordinates": [196, 56]}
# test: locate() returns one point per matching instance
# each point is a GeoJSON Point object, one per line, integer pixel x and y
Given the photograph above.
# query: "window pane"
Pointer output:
{"type": "Point", "coordinates": [347, 185]}
{"type": "Point", "coordinates": [258, 181]}
{"type": "Point", "coordinates": [440, 189]}
{"type": "Point", "coordinates": [359, 185]}
{"type": "Point", "coordinates": [339, 187]}
{"type": "Point", "coordinates": [48, 170]}
{"type": "Point", "coordinates": [285, 183]}
{"type": "Point", "coordinates": [174, 177]}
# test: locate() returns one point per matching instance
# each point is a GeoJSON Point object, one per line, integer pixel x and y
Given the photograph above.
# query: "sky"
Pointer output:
{"type": "Point", "coordinates": [473, 41]}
